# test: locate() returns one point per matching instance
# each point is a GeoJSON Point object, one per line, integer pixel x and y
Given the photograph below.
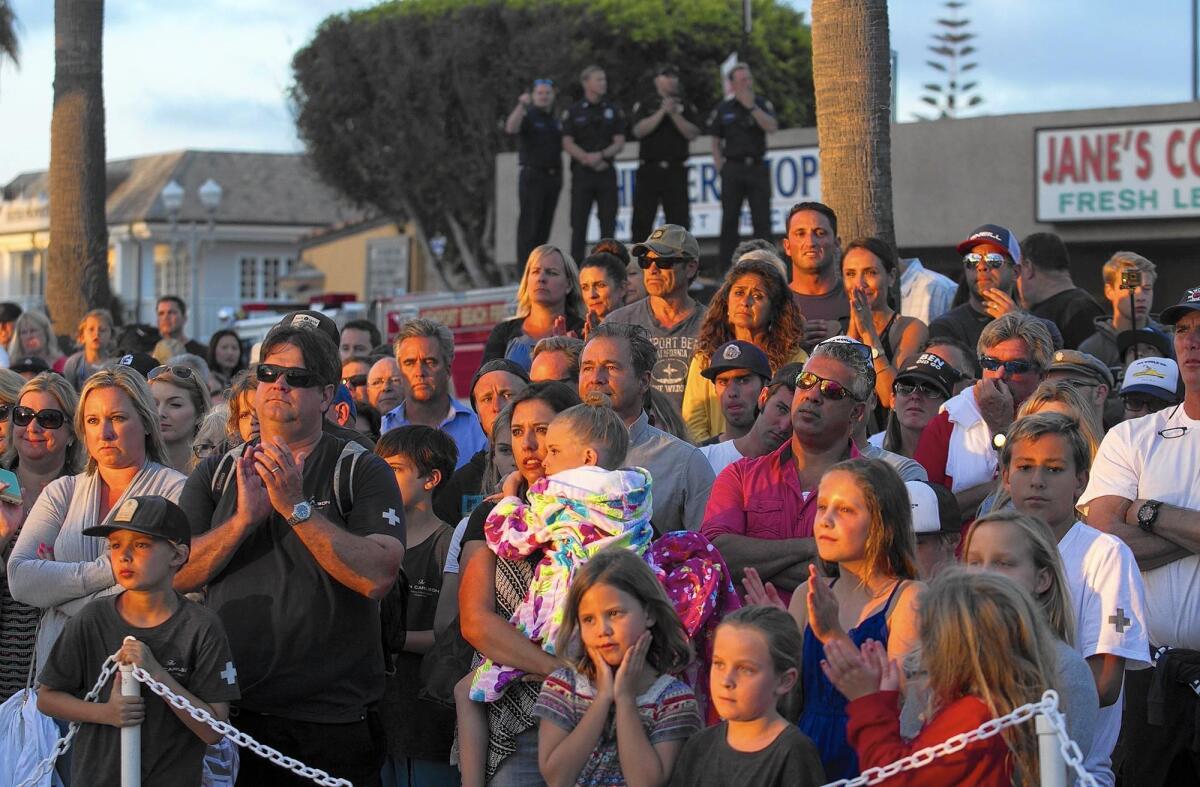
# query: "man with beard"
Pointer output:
{"type": "Point", "coordinates": [771, 426]}
{"type": "Point", "coordinates": [761, 511]}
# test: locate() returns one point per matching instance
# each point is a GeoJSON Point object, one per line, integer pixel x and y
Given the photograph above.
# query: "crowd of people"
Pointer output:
{"type": "Point", "coordinates": [826, 520]}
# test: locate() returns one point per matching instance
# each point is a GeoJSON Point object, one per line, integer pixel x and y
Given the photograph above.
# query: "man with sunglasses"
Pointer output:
{"type": "Point", "coordinates": [760, 512]}
{"type": "Point", "coordinates": [670, 260]}
{"type": "Point", "coordinates": [1144, 488]}
{"type": "Point", "coordinates": [296, 572]}
{"type": "Point", "coordinates": [1150, 385]}
{"type": "Point", "coordinates": [991, 258]}
{"type": "Point", "coordinates": [539, 156]}
{"type": "Point", "coordinates": [355, 373]}
{"type": "Point", "coordinates": [593, 130]}
{"type": "Point", "coordinates": [959, 446]}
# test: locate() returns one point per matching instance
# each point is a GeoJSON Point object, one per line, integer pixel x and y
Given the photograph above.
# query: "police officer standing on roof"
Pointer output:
{"type": "Point", "coordinates": [664, 123]}
{"type": "Point", "coordinates": [739, 127]}
{"type": "Point", "coordinates": [593, 134]}
{"type": "Point", "coordinates": [539, 142]}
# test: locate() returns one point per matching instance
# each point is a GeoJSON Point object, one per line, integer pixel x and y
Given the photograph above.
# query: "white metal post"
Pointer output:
{"type": "Point", "coordinates": [1053, 766]}
{"type": "Point", "coordinates": [131, 737]}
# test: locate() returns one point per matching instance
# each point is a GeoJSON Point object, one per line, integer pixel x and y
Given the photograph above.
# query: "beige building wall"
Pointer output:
{"type": "Point", "coordinates": [343, 259]}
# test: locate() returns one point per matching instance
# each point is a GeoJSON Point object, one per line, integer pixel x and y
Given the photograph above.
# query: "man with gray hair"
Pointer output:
{"type": "Point", "coordinates": [617, 362]}
{"type": "Point", "coordinates": [761, 511]}
{"type": "Point", "coordinates": [958, 448]}
{"type": "Point", "coordinates": [556, 358]}
{"type": "Point", "coordinates": [424, 352]}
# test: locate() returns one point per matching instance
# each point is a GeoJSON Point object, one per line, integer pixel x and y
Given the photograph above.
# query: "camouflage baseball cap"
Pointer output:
{"type": "Point", "coordinates": [669, 240]}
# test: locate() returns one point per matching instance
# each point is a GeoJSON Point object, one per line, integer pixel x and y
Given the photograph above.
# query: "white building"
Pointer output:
{"type": "Point", "coordinates": [268, 202]}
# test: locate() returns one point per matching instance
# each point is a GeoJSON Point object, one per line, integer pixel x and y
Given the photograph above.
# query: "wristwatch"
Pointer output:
{"type": "Point", "coordinates": [301, 512]}
{"type": "Point", "coordinates": [1147, 514]}
{"type": "Point", "coordinates": [999, 440]}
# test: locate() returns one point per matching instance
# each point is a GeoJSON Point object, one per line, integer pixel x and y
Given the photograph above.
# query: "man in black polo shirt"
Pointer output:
{"type": "Point", "coordinates": [539, 146]}
{"type": "Point", "coordinates": [664, 123]}
{"type": "Point", "coordinates": [593, 134]}
{"type": "Point", "coordinates": [295, 581]}
{"type": "Point", "coordinates": [739, 128]}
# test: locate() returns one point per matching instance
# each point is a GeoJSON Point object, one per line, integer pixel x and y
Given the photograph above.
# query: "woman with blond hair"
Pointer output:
{"type": "Point", "coordinates": [182, 399]}
{"type": "Point", "coordinates": [44, 447]}
{"type": "Point", "coordinates": [33, 337]}
{"type": "Point", "coordinates": [549, 303]}
{"type": "Point", "coordinates": [53, 565]}
{"type": "Point", "coordinates": [95, 337]}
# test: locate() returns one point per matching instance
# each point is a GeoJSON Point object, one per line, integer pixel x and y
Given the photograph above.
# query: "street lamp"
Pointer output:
{"type": "Point", "coordinates": [172, 196]}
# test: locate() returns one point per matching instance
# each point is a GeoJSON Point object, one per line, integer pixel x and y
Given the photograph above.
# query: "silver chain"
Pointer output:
{"type": "Point", "coordinates": [200, 715]}
{"type": "Point", "coordinates": [1048, 706]}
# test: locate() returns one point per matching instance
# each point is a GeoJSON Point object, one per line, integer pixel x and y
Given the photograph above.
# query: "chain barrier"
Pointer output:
{"type": "Point", "coordinates": [1048, 707]}
{"type": "Point", "coordinates": [199, 714]}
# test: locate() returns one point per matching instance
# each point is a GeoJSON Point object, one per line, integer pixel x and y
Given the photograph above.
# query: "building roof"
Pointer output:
{"type": "Point", "coordinates": [256, 188]}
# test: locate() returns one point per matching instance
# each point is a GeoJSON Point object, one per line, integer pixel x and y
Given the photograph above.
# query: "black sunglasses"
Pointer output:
{"type": "Point", "coordinates": [1011, 367]}
{"type": "Point", "coordinates": [182, 372]}
{"type": "Point", "coordinates": [354, 380]}
{"type": "Point", "coordinates": [47, 419]}
{"type": "Point", "coordinates": [5, 409]}
{"type": "Point", "coordinates": [922, 389]}
{"type": "Point", "coordinates": [296, 378]}
{"type": "Point", "coordinates": [663, 263]}
{"type": "Point", "coordinates": [830, 389]}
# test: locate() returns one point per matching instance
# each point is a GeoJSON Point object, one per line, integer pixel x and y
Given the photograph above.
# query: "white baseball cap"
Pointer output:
{"type": "Point", "coordinates": [1157, 377]}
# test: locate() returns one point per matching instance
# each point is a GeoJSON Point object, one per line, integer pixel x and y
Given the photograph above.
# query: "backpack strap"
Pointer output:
{"type": "Point", "coordinates": [226, 470]}
{"type": "Point", "coordinates": [343, 476]}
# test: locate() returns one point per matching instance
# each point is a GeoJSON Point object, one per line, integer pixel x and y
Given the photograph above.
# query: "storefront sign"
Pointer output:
{"type": "Point", "coordinates": [795, 177]}
{"type": "Point", "coordinates": [1149, 170]}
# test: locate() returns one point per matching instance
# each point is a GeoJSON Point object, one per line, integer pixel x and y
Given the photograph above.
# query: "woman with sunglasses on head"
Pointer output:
{"type": "Point", "coordinates": [753, 305]}
{"type": "Point", "coordinates": [95, 339]}
{"type": "Point", "coordinates": [43, 448]}
{"type": "Point", "coordinates": [225, 356]}
{"type": "Point", "coordinates": [549, 303]}
{"type": "Point", "coordinates": [182, 399]}
{"type": "Point", "coordinates": [869, 266]}
{"type": "Point", "coordinates": [53, 565]}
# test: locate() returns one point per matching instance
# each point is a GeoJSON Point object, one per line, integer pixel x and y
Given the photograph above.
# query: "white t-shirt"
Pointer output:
{"type": "Point", "coordinates": [455, 551]}
{"type": "Point", "coordinates": [1110, 613]}
{"type": "Point", "coordinates": [1136, 462]}
{"type": "Point", "coordinates": [721, 455]}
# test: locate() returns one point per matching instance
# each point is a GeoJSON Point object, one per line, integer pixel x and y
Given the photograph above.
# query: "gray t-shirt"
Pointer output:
{"type": "Point", "coordinates": [190, 645]}
{"type": "Point", "coordinates": [707, 760]}
{"type": "Point", "coordinates": [675, 345]}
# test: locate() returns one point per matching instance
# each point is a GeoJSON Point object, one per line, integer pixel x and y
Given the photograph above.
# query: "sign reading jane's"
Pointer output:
{"type": "Point", "coordinates": [1149, 170]}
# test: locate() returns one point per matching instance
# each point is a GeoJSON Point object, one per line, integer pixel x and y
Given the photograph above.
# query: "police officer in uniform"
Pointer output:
{"type": "Point", "coordinates": [593, 134]}
{"type": "Point", "coordinates": [739, 128]}
{"type": "Point", "coordinates": [664, 123]}
{"type": "Point", "coordinates": [539, 142]}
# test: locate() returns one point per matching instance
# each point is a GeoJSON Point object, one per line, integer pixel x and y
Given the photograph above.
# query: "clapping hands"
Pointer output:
{"type": "Point", "coordinates": [858, 673]}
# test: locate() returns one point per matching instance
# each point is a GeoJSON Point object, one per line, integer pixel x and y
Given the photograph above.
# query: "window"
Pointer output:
{"type": "Point", "coordinates": [31, 275]}
{"type": "Point", "coordinates": [259, 277]}
{"type": "Point", "coordinates": [172, 274]}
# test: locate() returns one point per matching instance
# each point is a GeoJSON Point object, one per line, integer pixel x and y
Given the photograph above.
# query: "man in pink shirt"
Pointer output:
{"type": "Point", "coordinates": [760, 512]}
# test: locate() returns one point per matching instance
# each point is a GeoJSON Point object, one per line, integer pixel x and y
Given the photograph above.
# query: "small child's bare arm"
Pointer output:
{"type": "Point", "coordinates": [118, 711]}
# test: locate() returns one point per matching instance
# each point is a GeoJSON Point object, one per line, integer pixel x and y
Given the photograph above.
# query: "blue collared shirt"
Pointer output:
{"type": "Point", "coordinates": [461, 424]}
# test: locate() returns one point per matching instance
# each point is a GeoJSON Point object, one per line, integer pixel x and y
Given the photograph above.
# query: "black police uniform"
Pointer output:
{"type": "Point", "coordinates": [593, 126]}
{"type": "Point", "coordinates": [745, 175]}
{"type": "Point", "coordinates": [539, 145]}
{"type": "Point", "coordinates": [662, 175]}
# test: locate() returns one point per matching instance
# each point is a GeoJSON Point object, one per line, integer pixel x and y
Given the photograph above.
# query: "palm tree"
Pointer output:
{"type": "Point", "coordinates": [852, 80]}
{"type": "Point", "coordinates": [77, 269]}
{"type": "Point", "coordinates": [8, 33]}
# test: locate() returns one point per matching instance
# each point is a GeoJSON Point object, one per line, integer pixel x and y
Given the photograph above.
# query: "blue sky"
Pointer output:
{"type": "Point", "coordinates": [215, 74]}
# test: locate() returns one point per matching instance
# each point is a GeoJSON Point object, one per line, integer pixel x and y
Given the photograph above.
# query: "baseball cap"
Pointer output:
{"type": "Point", "coordinates": [1080, 363]}
{"type": "Point", "coordinates": [309, 318]}
{"type": "Point", "coordinates": [153, 515]}
{"type": "Point", "coordinates": [667, 69]}
{"type": "Point", "coordinates": [1157, 377]}
{"type": "Point", "coordinates": [30, 364]}
{"type": "Point", "coordinates": [341, 395]}
{"type": "Point", "coordinates": [1001, 238]}
{"type": "Point", "coordinates": [669, 240]}
{"type": "Point", "coordinates": [932, 369]}
{"type": "Point", "coordinates": [1189, 303]}
{"type": "Point", "coordinates": [934, 508]}
{"type": "Point", "coordinates": [1155, 338]}
{"type": "Point", "coordinates": [9, 311]}
{"type": "Point", "coordinates": [738, 355]}
{"type": "Point", "coordinates": [139, 362]}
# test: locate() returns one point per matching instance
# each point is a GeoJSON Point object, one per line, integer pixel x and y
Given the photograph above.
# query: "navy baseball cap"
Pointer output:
{"type": "Point", "coordinates": [153, 515]}
{"type": "Point", "coordinates": [1148, 336]}
{"type": "Point", "coordinates": [1190, 303]}
{"type": "Point", "coordinates": [141, 363]}
{"type": "Point", "coordinates": [30, 364]}
{"type": "Point", "coordinates": [1001, 238]}
{"type": "Point", "coordinates": [738, 355]}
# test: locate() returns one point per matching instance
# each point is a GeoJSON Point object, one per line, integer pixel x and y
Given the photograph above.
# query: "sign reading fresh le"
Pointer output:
{"type": "Point", "coordinates": [1148, 170]}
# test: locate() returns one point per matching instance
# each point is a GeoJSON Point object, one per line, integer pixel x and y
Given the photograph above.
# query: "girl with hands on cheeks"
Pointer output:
{"type": "Point", "coordinates": [864, 535]}
{"type": "Point", "coordinates": [617, 714]}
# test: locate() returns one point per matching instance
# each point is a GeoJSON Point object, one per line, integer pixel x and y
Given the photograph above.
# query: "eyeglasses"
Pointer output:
{"type": "Point", "coordinates": [1138, 402]}
{"type": "Point", "coordinates": [663, 263]}
{"type": "Point", "coordinates": [204, 450]}
{"type": "Point", "coordinates": [1010, 367]}
{"type": "Point", "coordinates": [47, 419]}
{"type": "Point", "coordinates": [921, 389]}
{"type": "Point", "coordinates": [5, 409]}
{"type": "Point", "coordinates": [354, 380]}
{"type": "Point", "coordinates": [993, 260]}
{"type": "Point", "coordinates": [830, 389]}
{"type": "Point", "coordinates": [296, 378]}
{"type": "Point", "coordinates": [1172, 432]}
{"type": "Point", "coordinates": [182, 372]}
